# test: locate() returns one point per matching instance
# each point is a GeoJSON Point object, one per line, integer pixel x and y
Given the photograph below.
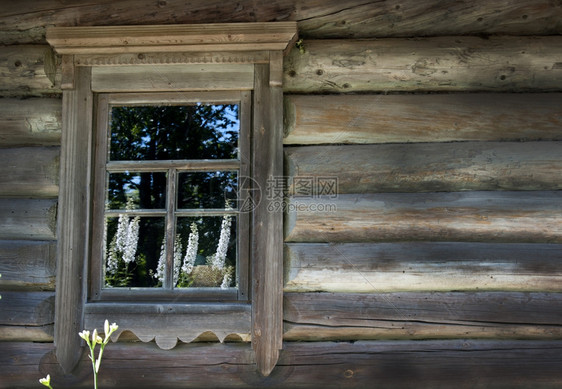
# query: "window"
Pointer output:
{"type": "Point", "coordinates": [169, 132]}
{"type": "Point", "coordinates": [174, 223]}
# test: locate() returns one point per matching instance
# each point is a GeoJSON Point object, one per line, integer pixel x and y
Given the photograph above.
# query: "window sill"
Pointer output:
{"type": "Point", "coordinates": [152, 321]}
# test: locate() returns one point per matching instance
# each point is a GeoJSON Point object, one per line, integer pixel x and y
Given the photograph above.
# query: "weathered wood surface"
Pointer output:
{"type": "Point", "coordinates": [383, 65]}
{"type": "Point", "coordinates": [33, 219]}
{"type": "Point", "coordinates": [381, 118]}
{"type": "Point", "coordinates": [75, 207]}
{"type": "Point", "coordinates": [267, 225]}
{"type": "Point", "coordinates": [422, 266]}
{"type": "Point", "coordinates": [429, 167]}
{"type": "Point", "coordinates": [27, 316]}
{"type": "Point", "coordinates": [426, 64]}
{"type": "Point", "coordinates": [316, 18]}
{"type": "Point", "coordinates": [30, 122]}
{"type": "Point", "coordinates": [27, 264]}
{"type": "Point", "coordinates": [329, 316]}
{"type": "Point", "coordinates": [172, 78]}
{"type": "Point", "coordinates": [28, 71]}
{"type": "Point", "coordinates": [172, 38]}
{"type": "Point", "coordinates": [517, 217]}
{"type": "Point", "coordinates": [29, 172]}
{"type": "Point", "coordinates": [362, 364]}
{"type": "Point", "coordinates": [175, 323]}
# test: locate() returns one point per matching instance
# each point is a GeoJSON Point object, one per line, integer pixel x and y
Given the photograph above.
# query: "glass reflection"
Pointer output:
{"type": "Point", "coordinates": [174, 132]}
{"type": "Point", "coordinates": [133, 250]}
{"type": "Point", "coordinates": [136, 190]}
{"type": "Point", "coordinates": [208, 252]}
{"type": "Point", "coordinates": [207, 190]}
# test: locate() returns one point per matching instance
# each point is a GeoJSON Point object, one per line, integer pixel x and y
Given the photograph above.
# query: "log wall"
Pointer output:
{"type": "Point", "coordinates": [435, 261]}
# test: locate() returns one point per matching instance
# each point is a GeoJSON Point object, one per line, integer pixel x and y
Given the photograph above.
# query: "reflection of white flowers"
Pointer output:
{"type": "Point", "coordinates": [160, 273]}
{"type": "Point", "coordinates": [177, 258]}
{"type": "Point", "coordinates": [191, 252]}
{"type": "Point", "coordinates": [161, 268]}
{"type": "Point", "coordinates": [130, 249]}
{"type": "Point", "coordinates": [125, 242]}
{"type": "Point", "coordinates": [218, 260]}
{"type": "Point", "coordinates": [226, 280]}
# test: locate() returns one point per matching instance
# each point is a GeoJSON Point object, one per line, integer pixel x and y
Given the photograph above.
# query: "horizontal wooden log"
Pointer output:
{"type": "Point", "coordinates": [426, 64]}
{"type": "Point", "coordinates": [464, 216]}
{"type": "Point", "coordinates": [27, 308]}
{"type": "Point", "coordinates": [33, 219]}
{"type": "Point", "coordinates": [432, 18]}
{"type": "Point", "coordinates": [427, 167]}
{"type": "Point", "coordinates": [381, 118]}
{"type": "Point", "coordinates": [328, 316]}
{"type": "Point", "coordinates": [27, 264]}
{"type": "Point", "coordinates": [422, 266]}
{"type": "Point", "coordinates": [386, 364]}
{"type": "Point", "coordinates": [29, 172]}
{"type": "Point", "coordinates": [318, 19]}
{"type": "Point", "coordinates": [28, 71]}
{"type": "Point", "coordinates": [27, 316]}
{"type": "Point", "coordinates": [30, 122]}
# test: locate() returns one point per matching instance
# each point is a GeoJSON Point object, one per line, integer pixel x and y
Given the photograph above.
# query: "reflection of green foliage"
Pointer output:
{"type": "Point", "coordinates": [170, 133]}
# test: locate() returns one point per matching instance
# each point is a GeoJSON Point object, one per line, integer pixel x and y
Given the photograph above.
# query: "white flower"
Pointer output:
{"type": "Point", "coordinates": [131, 240]}
{"type": "Point", "coordinates": [112, 258]}
{"type": "Point", "coordinates": [46, 381]}
{"type": "Point", "coordinates": [121, 235]}
{"type": "Point", "coordinates": [226, 281]}
{"type": "Point", "coordinates": [96, 338]}
{"type": "Point", "coordinates": [85, 335]}
{"type": "Point", "coordinates": [177, 258]}
{"type": "Point", "coordinates": [191, 252]}
{"type": "Point", "coordinates": [218, 260]}
{"type": "Point", "coordinates": [161, 267]}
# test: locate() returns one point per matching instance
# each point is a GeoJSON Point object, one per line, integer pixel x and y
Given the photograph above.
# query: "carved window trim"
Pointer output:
{"type": "Point", "coordinates": [206, 57]}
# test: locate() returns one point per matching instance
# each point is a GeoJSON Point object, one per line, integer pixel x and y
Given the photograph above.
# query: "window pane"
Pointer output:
{"type": "Point", "coordinates": [207, 190]}
{"type": "Point", "coordinates": [133, 250]}
{"type": "Point", "coordinates": [136, 190]}
{"type": "Point", "coordinates": [174, 132]}
{"type": "Point", "coordinates": [209, 252]}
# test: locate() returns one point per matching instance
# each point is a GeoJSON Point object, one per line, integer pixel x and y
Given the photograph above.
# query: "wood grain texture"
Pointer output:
{"type": "Point", "coordinates": [429, 167]}
{"type": "Point", "coordinates": [27, 316]}
{"type": "Point", "coordinates": [30, 122]}
{"type": "Point", "coordinates": [157, 78]}
{"type": "Point", "coordinates": [27, 264]}
{"type": "Point", "coordinates": [28, 219]}
{"type": "Point", "coordinates": [426, 64]}
{"type": "Point", "coordinates": [324, 119]}
{"type": "Point", "coordinates": [350, 316]}
{"type": "Point", "coordinates": [172, 324]}
{"type": "Point", "coordinates": [172, 38]}
{"type": "Point", "coordinates": [422, 266]}
{"type": "Point", "coordinates": [267, 226]}
{"type": "Point", "coordinates": [23, 71]}
{"type": "Point", "coordinates": [29, 172]}
{"type": "Point", "coordinates": [73, 219]}
{"type": "Point", "coordinates": [463, 216]}
{"type": "Point", "coordinates": [316, 18]}
{"type": "Point", "coordinates": [361, 364]}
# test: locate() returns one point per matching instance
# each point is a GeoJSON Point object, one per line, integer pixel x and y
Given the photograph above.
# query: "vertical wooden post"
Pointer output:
{"type": "Point", "coordinates": [73, 217]}
{"type": "Point", "coordinates": [267, 245]}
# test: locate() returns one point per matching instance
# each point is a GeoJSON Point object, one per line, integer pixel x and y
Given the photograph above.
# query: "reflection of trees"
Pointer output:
{"type": "Point", "coordinates": [171, 133]}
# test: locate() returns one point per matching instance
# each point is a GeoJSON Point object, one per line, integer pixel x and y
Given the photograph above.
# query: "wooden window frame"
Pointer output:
{"type": "Point", "coordinates": [175, 58]}
{"type": "Point", "coordinates": [101, 166]}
